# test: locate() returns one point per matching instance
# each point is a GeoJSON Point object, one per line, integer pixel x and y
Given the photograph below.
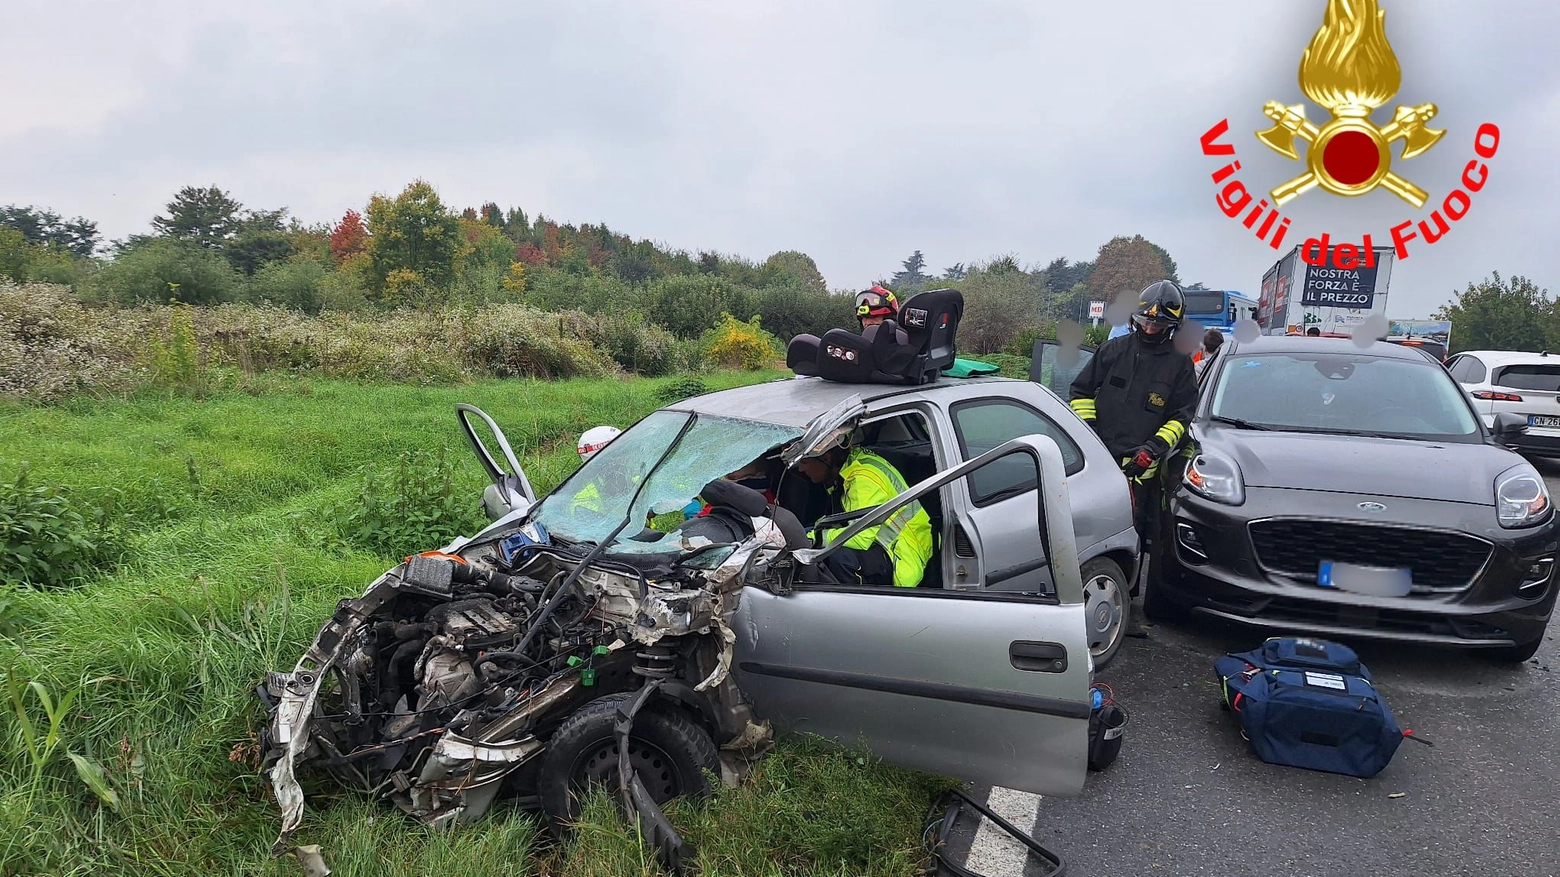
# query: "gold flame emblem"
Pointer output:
{"type": "Point", "coordinates": [1349, 68]}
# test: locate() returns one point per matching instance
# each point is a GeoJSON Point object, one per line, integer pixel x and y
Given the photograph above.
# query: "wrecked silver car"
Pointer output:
{"type": "Point", "coordinates": [594, 636]}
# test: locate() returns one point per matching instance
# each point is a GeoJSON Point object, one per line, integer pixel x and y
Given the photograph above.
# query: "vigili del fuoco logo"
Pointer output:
{"type": "Point", "coordinates": [1350, 70]}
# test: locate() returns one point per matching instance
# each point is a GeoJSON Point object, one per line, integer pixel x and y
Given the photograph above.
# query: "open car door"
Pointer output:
{"type": "Point", "coordinates": [1054, 367]}
{"type": "Point", "coordinates": [985, 686]}
{"type": "Point", "coordinates": [510, 492]}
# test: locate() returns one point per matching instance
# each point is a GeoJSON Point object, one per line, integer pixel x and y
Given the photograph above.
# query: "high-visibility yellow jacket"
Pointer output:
{"type": "Point", "coordinates": [869, 481]}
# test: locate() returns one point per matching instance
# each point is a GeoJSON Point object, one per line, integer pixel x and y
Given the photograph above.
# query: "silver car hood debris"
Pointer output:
{"type": "Point", "coordinates": [460, 773]}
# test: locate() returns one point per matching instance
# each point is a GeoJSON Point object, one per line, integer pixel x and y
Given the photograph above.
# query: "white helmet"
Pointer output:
{"type": "Point", "coordinates": [594, 439]}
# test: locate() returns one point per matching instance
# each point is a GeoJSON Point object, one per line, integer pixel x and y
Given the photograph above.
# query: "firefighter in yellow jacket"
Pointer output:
{"type": "Point", "coordinates": [895, 551]}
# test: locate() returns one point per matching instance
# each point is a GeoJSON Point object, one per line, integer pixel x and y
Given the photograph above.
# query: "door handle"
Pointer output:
{"type": "Point", "coordinates": [1038, 657]}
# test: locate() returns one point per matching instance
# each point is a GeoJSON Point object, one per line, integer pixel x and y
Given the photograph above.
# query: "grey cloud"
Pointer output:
{"type": "Point", "coordinates": [856, 132]}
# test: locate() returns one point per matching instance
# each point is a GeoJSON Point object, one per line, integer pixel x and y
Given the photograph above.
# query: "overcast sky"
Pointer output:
{"type": "Point", "coordinates": [853, 131]}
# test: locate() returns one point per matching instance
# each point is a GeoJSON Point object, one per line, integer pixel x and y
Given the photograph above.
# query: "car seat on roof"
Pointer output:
{"type": "Point", "coordinates": [929, 321]}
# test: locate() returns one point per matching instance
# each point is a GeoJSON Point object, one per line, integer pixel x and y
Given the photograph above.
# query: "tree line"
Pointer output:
{"type": "Point", "coordinates": [413, 250]}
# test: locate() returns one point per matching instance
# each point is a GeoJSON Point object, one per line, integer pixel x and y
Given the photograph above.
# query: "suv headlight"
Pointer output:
{"type": "Point", "coordinates": [1216, 477]}
{"type": "Point", "coordinates": [1521, 499]}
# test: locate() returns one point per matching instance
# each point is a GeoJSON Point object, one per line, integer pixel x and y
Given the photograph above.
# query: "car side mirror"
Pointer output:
{"type": "Point", "coordinates": [1509, 425]}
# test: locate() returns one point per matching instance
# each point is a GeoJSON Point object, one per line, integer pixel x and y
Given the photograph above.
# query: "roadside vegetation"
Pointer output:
{"type": "Point", "coordinates": [128, 731]}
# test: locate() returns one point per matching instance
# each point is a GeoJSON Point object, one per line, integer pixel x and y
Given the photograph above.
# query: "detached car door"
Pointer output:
{"type": "Point", "coordinates": [988, 687]}
{"type": "Point", "coordinates": [1054, 368]}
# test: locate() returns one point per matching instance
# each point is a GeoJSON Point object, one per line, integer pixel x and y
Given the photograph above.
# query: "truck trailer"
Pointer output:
{"type": "Point", "coordinates": [1332, 288]}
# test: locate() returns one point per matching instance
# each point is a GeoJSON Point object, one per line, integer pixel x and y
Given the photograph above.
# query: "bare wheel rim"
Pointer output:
{"type": "Point", "coordinates": [1103, 611]}
{"type": "Point", "coordinates": [655, 768]}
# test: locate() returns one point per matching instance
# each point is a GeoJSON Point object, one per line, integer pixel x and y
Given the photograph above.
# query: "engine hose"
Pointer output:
{"type": "Point", "coordinates": [956, 799]}
{"type": "Point", "coordinates": [493, 657]}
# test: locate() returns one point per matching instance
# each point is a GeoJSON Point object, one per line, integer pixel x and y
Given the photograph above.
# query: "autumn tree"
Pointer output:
{"type": "Point", "coordinates": [349, 237]}
{"type": "Point", "coordinates": [1126, 265]}
{"type": "Point", "coordinates": [414, 237]}
{"type": "Point", "coordinates": [486, 246]}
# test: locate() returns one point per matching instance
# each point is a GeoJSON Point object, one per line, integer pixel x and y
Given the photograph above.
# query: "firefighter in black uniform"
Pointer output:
{"type": "Point", "coordinates": [1139, 393]}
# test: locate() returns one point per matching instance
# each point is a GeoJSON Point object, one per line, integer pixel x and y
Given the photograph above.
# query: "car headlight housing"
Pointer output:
{"type": "Point", "coordinates": [1215, 477]}
{"type": "Point", "coordinates": [1521, 498]}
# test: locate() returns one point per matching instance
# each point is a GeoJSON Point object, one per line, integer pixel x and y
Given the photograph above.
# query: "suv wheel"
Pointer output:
{"type": "Point", "coordinates": [668, 750]}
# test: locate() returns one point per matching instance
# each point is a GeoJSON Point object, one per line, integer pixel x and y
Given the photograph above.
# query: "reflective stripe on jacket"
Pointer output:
{"type": "Point", "coordinates": [871, 481]}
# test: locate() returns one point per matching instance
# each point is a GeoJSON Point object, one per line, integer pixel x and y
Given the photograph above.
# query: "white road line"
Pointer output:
{"type": "Point", "coordinates": [992, 852]}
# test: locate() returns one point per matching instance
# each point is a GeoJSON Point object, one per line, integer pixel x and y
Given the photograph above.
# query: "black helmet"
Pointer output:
{"type": "Point", "coordinates": [1161, 302]}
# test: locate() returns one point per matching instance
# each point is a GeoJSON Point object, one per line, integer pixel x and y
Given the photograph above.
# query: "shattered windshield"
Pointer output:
{"type": "Point", "coordinates": [592, 502]}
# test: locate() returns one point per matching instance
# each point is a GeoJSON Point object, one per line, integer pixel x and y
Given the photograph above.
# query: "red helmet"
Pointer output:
{"type": "Point", "coordinates": [876, 302]}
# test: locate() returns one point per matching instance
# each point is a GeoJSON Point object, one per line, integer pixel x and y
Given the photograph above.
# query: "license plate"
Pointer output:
{"type": "Point", "coordinates": [1544, 420]}
{"type": "Point", "coordinates": [1373, 580]}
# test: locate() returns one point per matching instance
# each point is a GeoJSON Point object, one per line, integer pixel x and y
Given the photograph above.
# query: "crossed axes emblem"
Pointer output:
{"type": "Point", "coordinates": [1350, 69]}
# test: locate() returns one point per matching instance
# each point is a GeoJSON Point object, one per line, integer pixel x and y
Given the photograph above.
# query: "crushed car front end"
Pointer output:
{"type": "Point", "coordinates": [441, 685]}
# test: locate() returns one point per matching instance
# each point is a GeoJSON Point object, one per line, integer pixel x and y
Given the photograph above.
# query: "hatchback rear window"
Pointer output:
{"type": "Point", "coordinates": [1545, 378]}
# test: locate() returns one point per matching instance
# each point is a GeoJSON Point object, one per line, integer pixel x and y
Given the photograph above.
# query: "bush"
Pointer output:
{"type": "Point", "coordinates": [293, 284]}
{"type": "Point", "coordinates": [680, 389]}
{"type": "Point", "coordinates": [1023, 343]}
{"type": "Point", "coordinates": [552, 290]}
{"type": "Point", "coordinates": [175, 354]}
{"type": "Point", "coordinates": [47, 539]}
{"type": "Point", "coordinates": [735, 344]}
{"type": "Point", "coordinates": [165, 269]}
{"type": "Point", "coordinates": [634, 343]}
{"type": "Point", "coordinates": [52, 347]}
{"type": "Point", "coordinates": [260, 338]}
{"type": "Point", "coordinates": [407, 506]}
{"type": "Point", "coordinates": [790, 311]}
{"type": "Point", "coordinates": [1012, 366]}
{"type": "Point", "coordinates": [517, 341]}
{"type": "Point", "coordinates": [689, 306]}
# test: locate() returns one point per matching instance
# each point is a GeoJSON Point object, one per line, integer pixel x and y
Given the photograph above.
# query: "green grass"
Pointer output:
{"type": "Point", "coordinates": [229, 576]}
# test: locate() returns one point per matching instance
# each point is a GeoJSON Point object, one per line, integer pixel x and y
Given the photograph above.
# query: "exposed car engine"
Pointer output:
{"type": "Point", "coordinates": [444, 684]}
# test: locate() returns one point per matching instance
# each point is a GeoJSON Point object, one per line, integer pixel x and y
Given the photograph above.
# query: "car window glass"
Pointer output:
{"type": "Point", "coordinates": [1056, 377]}
{"type": "Point", "coordinates": [983, 425]}
{"type": "Point", "coordinates": [1476, 370]}
{"type": "Point", "coordinates": [588, 506]}
{"type": "Point", "coordinates": [1544, 378]}
{"type": "Point", "coordinates": [1343, 393]}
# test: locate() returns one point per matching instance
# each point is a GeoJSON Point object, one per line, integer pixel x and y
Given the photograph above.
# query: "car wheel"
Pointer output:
{"type": "Point", "coordinates": [1515, 654]}
{"type": "Point", "coordinates": [1157, 605]}
{"type": "Point", "coordinates": [666, 747]}
{"type": "Point", "coordinates": [1107, 606]}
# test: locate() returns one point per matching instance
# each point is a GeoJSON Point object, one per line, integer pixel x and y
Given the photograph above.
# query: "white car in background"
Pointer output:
{"type": "Point", "coordinates": [1509, 381]}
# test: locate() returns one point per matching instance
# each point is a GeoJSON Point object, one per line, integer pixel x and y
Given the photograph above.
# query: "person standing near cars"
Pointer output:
{"type": "Point", "coordinates": [1213, 339]}
{"type": "Point", "coordinates": [1138, 393]}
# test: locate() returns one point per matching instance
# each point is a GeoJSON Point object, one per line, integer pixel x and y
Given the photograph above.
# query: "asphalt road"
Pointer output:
{"type": "Point", "coordinates": [1186, 796]}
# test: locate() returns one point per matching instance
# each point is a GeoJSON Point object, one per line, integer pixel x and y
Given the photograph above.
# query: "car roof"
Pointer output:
{"type": "Point", "coordinates": [1509, 357]}
{"type": "Point", "coordinates": [796, 401]}
{"type": "Point", "coordinates": [1313, 344]}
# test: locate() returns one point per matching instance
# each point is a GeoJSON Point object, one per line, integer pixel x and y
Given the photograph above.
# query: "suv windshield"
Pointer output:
{"type": "Point", "coordinates": [594, 500]}
{"type": "Point", "coordinates": [1343, 393]}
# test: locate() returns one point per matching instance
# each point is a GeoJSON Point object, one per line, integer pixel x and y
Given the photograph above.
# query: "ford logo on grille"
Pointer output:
{"type": "Point", "coordinates": [1372, 507]}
